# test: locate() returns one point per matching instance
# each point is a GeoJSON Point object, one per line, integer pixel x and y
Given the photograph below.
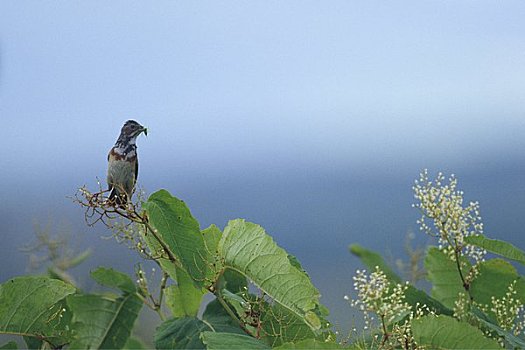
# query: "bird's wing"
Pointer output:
{"type": "Point", "coordinates": [109, 178]}
{"type": "Point", "coordinates": [136, 168]}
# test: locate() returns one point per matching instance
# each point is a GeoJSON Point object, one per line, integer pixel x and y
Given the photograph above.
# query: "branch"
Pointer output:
{"type": "Point", "coordinates": [216, 290]}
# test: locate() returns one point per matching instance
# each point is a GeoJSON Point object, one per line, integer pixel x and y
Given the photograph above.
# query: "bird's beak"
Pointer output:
{"type": "Point", "coordinates": [145, 130]}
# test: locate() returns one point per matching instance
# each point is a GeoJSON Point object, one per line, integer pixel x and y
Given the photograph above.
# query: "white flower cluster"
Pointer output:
{"type": "Point", "coordinates": [376, 294]}
{"type": "Point", "coordinates": [509, 311]}
{"type": "Point", "coordinates": [444, 215]}
{"type": "Point", "coordinates": [462, 307]}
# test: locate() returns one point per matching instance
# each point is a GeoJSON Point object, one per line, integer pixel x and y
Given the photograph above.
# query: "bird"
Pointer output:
{"type": "Point", "coordinates": [123, 165]}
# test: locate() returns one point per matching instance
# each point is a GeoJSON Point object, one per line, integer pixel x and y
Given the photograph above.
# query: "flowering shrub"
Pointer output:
{"type": "Point", "coordinates": [254, 295]}
{"type": "Point", "coordinates": [473, 302]}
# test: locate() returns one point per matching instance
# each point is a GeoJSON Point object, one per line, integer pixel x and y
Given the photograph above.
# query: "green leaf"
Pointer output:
{"type": "Point", "coordinates": [134, 344]}
{"type": "Point", "coordinates": [218, 318]}
{"type": "Point", "coordinates": [229, 279]}
{"type": "Point", "coordinates": [310, 344]}
{"type": "Point", "coordinates": [514, 341]}
{"type": "Point", "coordinates": [372, 259]}
{"type": "Point", "coordinates": [157, 251]}
{"type": "Point", "coordinates": [183, 299]}
{"type": "Point", "coordinates": [498, 247]}
{"type": "Point", "coordinates": [444, 275]}
{"type": "Point", "coordinates": [246, 248]}
{"type": "Point", "coordinates": [445, 332]}
{"type": "Point", "coordinates": [216, 341]}
{"type": "Point", "coordinates": [180, 333]}
{"type": "Point", "coordinates": [114, 279]}
{"type": "Point", "coordinates": [10, 345]}
{"type": "Point", "coordinates": [234, 281]}
{"type": "Point", "coordinates": [103, 323]}
{"type": "Point", "coordinates": [297, 264]}
{"type": "Point", "coordinates": [280, 325]}
{"type": "Point", "coordinates": [177, 228]}
{"type": "Point", "coordinates": [493, 280]}
{"type": "Point", "coordinates": [33, 343]}
{"type": "Point", "coordinates": [32, 306]}
{"type": "Point", "coordinates": [212, 236]}
{"type": "Point", "coordinates": [415, 297]}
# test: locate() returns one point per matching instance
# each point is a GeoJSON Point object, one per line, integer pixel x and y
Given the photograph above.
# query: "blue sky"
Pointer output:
{"type": "Point", "coordinates": [351, 83]}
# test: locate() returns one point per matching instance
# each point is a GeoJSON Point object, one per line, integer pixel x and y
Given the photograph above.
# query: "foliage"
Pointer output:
{"type": "Point", "coordinates": [261, 296]}
{"type": "Point", "coordinates": [474, 302]}
{"type": "Point", "coordinates": [104, 322]}
{"type": "Point", "coordinates": [218, 340]}
{"type": "Point", "coordinates": [445, 332]}
{"type": "Point", "coordinates": [34, 307]}
{"type": "Point", "coordinates": [253, 294]}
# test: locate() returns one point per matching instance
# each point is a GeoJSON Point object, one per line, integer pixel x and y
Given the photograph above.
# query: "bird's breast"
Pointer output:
{"type": "Point", "coordinates": [119, 154]}
{"type": "Point", "coordinates": [121, 171]}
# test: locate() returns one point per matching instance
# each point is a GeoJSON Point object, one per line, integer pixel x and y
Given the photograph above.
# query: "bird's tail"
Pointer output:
{"type": "Point", "coordinates": [118, 199]}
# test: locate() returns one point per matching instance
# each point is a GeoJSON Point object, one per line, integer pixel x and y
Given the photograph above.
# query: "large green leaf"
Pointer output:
{"type": "Point", "coordinates": [114, 279]}
{"type": "Point", "coordinates": [493, 280]}
{"type": "Point", "coordinates": [372, 259]}
{"type": "Point", "coordinates": [310, 344]}
{"type": "Point", "coordinates": [156, 251]}
{"type": "Point", "coordinates": [134, 344]}
{"type": "Point", "coordinates": [444, 332]}
{"type": "Point", "coordinates": [416, 297]}
{"type": "Point", "coordinates": [495, 246]}
{"type": "Point", "coordinates": [513, 341]}
{"type": "Point", "coordinates": [180, 232]}
{"type": "Point", "coordinates": [36, 343]}
{"type": "Point", "coordinates": [180, 333]}
{"type": "Point", "coordinates": [274, 323]}
{"type": "Point", "coordinates": [297, 264]}
{"type": "Point", "coordinates": [233, 281]}
{"type": "Point", "coordinates": [9, 345]}
{"type": "Point", "coordinates": [218, 341]}
{"type": "Point", "coordinates": [183, 299]}
{"type": "Point", "coordinates": [228, 279]}
{"type": "Point", "coordinates": [246, 248]}
{"type": "Point", "coordinates": [279, 325]}
{"type": "Point", "coordinates": [212, 236]}
{"type": "Point", "coordinates": [444, 275]}
{"type": "Point", "coordinates": [218, 318]}
{"type": "Point", "coordinates": [32, 306]}
{"type": "Point", "coordinates": [101, 322]}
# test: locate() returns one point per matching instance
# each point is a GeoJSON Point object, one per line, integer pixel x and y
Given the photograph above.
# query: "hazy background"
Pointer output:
{"type": "Point", "coordinates": [309, 118]}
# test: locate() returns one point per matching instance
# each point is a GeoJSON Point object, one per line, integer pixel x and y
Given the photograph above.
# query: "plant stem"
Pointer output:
{"type": "Point", "coordinates": [136, 217]}
{"type": "Point", "coordinates": [147, 303]}
{"type": "Point", "coordinates": [457, 257]}
{"type": "Point", "coordinates": [163, 282]}
{"type": "Point", "coordinates": [231, 313]}
{"type": "Point", "coordinates": [156, 236]}
{"type": "Point", "coordinates": [216, 290]}
{"type": "Point", "coordinates": [465, 284]}
{"type": "Point", "coordinates": [385, 331]}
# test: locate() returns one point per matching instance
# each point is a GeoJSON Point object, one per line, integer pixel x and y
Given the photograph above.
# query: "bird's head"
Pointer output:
{"type": "Point", "coordinates": [132, 129]}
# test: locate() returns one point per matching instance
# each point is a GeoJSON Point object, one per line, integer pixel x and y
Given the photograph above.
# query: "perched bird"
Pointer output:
{"type": "Point", "coordinates": [123, 164]}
